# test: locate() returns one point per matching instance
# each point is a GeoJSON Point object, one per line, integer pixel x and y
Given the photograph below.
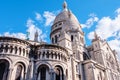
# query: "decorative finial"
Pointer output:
{"type": "Point", "coordinates": [36, 36]}
{"type": "Point", "coordinates": [64, 5]}
{"type": "Point", "coordinates": [95, 35]}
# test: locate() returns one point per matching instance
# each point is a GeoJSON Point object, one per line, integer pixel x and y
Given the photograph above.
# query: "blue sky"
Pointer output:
{"type": "Point", "coordinates": [19, 16]}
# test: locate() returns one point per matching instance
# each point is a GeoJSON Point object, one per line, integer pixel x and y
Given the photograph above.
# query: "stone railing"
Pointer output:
{"type": "Point", "coordinates": [52, 52]}
{"type": "Point", "coordinates": [13, 46]}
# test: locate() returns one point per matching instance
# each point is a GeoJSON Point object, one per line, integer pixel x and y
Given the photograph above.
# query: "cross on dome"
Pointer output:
{"type": "Point", "coordinates": [65, 5]}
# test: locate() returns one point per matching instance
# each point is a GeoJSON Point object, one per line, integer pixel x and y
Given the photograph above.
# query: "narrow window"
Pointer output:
{"type": "Point", "coordinates": [52, 40]}
{"type": "Point", "coordinates": [19, 51]}
{"type": "Point", "coordinates": [11, 49]}
{"type": "Point", "coordinates": [15, 50]}
{"type": "Point", "coordinates": [57, 74]}
{"type": "Point", "coordinates": [18, 72]}
{"type": "Point", "coordinates": [6, 48]}
{"type": "Point", "coordinates": [43, 73]}
{"type": "Point", "coordinates": [72, 38]}
{"type": "Point", "coordinates": [55, 38]}
{"type": "Point", "coordinates": [1, 48]}
{"type": "Point", "coordinates": [23, 52]}
{"type": "Point", "coordinates": [3, 70]}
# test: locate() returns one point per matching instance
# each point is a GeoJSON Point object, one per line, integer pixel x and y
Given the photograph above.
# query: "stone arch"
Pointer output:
{"type": "Point", "coordinates": [59, 64]}
{"type": "Point", "coordinates": [42, 72]}
{"type": "Point", "coordinates": [19, 71]}
{"type": "Point", "coordinates": [23, 62]}
{"type": "Point", "coordinates": [43, 63]}
{"type": "Point", "coordinates": [9, 60]}
{"type": "Point", "coordinates": [59, 72]}
{"type": "Point", "coordinates": [4, 66]}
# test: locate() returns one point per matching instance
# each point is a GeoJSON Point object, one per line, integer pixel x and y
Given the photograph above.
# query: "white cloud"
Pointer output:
{"type": "Point", "coordinates": [90, 21]}
{"type": "Point", "coordinates": [17, 35]}
{"type": "Point", "coordinates": [32, 28]}
{"type": "Point", "coordinates": [115, 44]}
{"type": "Point", "coordinates": [38, 17]}
{"type": "Point", "coordinates": [49, 16]}
{"type": "Point", "coordinates": [91, 35]}
{"type": "Point", "coordinates": [118, 11]}
{"type": "Point", "coordinates": [109, 28]}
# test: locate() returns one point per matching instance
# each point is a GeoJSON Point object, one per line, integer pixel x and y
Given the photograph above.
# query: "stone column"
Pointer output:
{"type": "Point", "coordinates": [52, 74]}
{"type": "Point", "coordinates": [93, 67]}
{"type": "Point", "coordinates": [81, 76]}
{"type": "Point", "coordinates": [31, 69]}
{"type": "Point", "coordinates": [106, 75]}
{"type": "Point", "coordinates": [25, 75]}
{"type": "Point", "coordinates": [10, 74]}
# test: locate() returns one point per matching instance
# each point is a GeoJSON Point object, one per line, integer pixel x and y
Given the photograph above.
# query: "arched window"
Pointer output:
{"type": "Point", "coordinates": [59, 73]}
{"type": "Point", "coordinates": [15, 50]}
{"type": "Point", "coordinates": [19, 51]}
{"type": "Point", "coordinates": [42, 72]}
{"type": "Point", "coordinates": [6, 48]}
{"type": "Point", "coordinates": [18, 73]}
{"type": "Point", "coordinates": [1, 48]}
{"type": "Point", "coordinates": [52, 40]}
{"type": "Point", "coordinates": [56, 39]}
{"type": "Point", "coordinates": [72, 38]}
{"type": "Point", "coordinates": [4, 65]}
{"type": "Point", "coordinates": [11, 49]}
{"type": "Point", "coordinates": [52, 55]}
{"type": "Point", "coordinates": [43, 55]}
{"type": "Point", "coordinates": [47, 55]}
{"type": "Point", "coordinates": [23, 52]}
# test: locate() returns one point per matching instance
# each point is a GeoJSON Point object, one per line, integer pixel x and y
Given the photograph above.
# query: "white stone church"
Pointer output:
{"type": "Point", "coordinates": [66, 58]}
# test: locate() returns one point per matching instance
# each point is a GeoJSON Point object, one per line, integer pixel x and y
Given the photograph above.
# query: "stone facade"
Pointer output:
{"type": "Point", "coordinates": [66, 58]}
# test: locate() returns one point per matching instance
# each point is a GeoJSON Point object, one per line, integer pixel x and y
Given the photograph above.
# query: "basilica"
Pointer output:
{"type": "Point", "coordinates": [66, 58]}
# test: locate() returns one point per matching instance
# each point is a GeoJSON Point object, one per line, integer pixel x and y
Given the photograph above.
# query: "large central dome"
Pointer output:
{"type": "Point", "coordinates": [69, 19]}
